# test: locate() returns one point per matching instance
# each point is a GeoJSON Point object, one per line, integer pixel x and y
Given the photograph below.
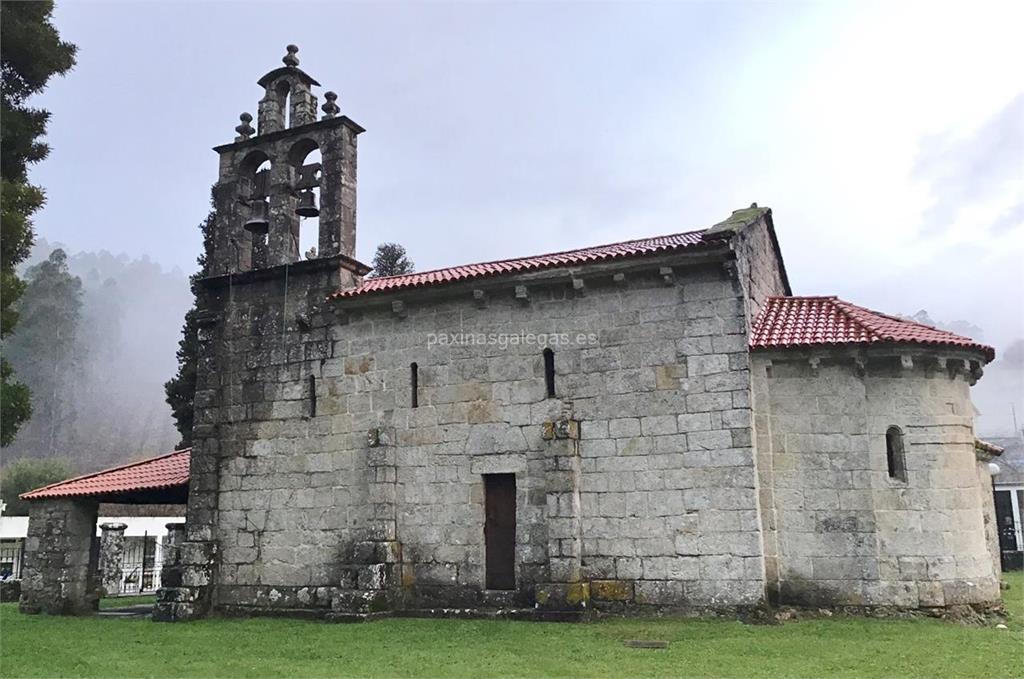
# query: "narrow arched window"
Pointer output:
{"type": "Point", "coordinates": [283, 90]}
{"type": "Point", "coordinates": [549, 371]}
{"type": "Point", "coordinates": [895, 457]}
{"type": "Point", "coordinates": [414, 385]}
{"type": "Point", "coordinates": [312, 395]}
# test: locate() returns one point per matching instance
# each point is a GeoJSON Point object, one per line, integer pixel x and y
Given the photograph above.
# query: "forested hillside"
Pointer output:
{"type": "Point", "coordinates": [95, 344]}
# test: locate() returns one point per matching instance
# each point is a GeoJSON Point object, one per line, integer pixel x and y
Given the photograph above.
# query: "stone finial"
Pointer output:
{"type": "Point", "coordinates": [330, 107]}
{"type": "Point", "coordinates": [290, 59]}
{"type": "Point", "coordinates": [245, 130]}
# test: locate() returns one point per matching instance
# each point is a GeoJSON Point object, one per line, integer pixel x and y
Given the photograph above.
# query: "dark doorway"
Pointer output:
{"type": "Point", "coordinates": [1008, 525]}
{"type": "Point", "coordinates": [500, 530]}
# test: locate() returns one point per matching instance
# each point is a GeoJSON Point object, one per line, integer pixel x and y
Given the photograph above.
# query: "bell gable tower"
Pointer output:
{"type": "Point", "coordinates": [266, 188]}
{"type": "Point", "coordinates": [264, 321]}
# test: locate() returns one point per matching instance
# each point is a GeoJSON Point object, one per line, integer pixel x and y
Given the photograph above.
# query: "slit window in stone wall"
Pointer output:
{"type": "Point", "coordinates": [312, 395]}
{"type": "Point", "coordinates": [414, 385]}
{"type": "Point", "coordinates": [895, 456]}
{"type": "Point", "coordinates": [549, 372]}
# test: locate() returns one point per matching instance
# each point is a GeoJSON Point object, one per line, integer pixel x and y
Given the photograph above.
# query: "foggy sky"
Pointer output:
{"type": "Point", "coordinates": [887, 138]}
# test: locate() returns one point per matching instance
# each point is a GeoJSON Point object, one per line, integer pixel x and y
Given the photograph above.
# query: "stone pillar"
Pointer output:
{"type": "Point", "coordinates": [283, 237]}
{"type": "Point", "coordinates": [270, 115]}
{"type": "Point", "coordinates": [565, 589]}
{"type": "Point", "coordinates": [303, 105]}
{"type": "Point", "coordinates": [172, 545]}
{"type": "Point", "coordinates": [370, 580]}
{"type": "Point", "coordinates": [226, 246]}
{"type": "Point", "coordinates": [173, 601]}
{"type": "Point", "coordinates": [338, 193]}
{"type": "Point", "coordinates": [59, 572]}
{"type": "Point", "coordinates": [111, 557]}
{"type": "Point", "coordinates": [190, 565]}
{"type": "Point", "coordinates": [984, 470]}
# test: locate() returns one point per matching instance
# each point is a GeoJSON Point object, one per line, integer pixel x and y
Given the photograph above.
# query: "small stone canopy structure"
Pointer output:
{"type": "Point", "coordinates": [653, 424]}
{"type": "Point", "coordinates": [65, 569]}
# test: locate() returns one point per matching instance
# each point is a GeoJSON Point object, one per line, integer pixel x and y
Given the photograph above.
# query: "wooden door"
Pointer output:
{"type": "Point", "coordinates": [500, 530]}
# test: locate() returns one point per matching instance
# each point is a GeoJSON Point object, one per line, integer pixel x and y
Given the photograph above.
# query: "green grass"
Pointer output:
{"type": "Point", "coordinates": [43, 646]}
{"type": "Point", "coordinates": [125, 601]}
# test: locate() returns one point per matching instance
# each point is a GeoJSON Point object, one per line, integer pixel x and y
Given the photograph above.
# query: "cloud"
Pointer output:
{"type": "Point", "coordinates": [984, 167]}
{"type": "Point", "coordinates": [1011, 219]}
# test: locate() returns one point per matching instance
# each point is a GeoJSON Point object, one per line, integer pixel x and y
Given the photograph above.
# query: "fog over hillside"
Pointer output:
{"type": "Point", "coordinates": [131, 315]}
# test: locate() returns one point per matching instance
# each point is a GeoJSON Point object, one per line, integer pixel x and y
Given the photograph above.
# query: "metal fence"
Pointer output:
{"type": "Point", "coordinates": [139, 567]}
{"type": "Point", "coordinates": [11, 552]}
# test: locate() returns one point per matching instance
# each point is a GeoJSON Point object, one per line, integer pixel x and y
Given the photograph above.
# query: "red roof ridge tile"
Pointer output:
{"type": "Point", "coordinates": [83, 477]}
{"type": "Point", "coordinates": [530, 262]}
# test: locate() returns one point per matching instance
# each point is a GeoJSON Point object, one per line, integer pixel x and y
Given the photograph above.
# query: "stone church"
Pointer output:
{"type": "Point", "coordinates": [652, 425]}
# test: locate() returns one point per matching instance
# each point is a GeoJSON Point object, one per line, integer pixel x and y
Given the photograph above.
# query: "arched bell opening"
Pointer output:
{"type": "Point", "coordinates": [283, 91]}
{"type": "Point", "coordinates": [305, 159]}
{"type": "Point", "coordinates": [254, 197]}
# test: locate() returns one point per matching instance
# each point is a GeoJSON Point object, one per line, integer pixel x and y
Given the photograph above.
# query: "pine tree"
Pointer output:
{"type": "Point", "coordinates": [46, 353]}
{"type": "Point", "coordinates": [390, 260]}
{"type": "Point", "coordinates": [31, 52]}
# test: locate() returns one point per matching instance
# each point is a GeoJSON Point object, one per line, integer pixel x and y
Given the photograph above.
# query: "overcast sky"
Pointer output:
{"type": "Point", "coordinates": [887, 138]}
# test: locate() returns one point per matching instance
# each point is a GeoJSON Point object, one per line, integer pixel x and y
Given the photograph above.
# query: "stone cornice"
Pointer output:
{"type": "Point", "coordinates": [302, 267]}
{"type": "Point", "coordinates": [290, 133]}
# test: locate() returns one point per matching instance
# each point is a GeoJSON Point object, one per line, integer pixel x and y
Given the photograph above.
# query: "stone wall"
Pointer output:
{"type": "Point", "coordinates": [649, 497]}
{"type": "Point", "coordinates": [759, 265]}
{"type": "Point", "coordinates": [111, 557]}
{"type": "Point", "coordinates": [839, 529]}
{"type": "Point", "coordinates": [59, 571]}
{"type": "Point", "coordinates": [988, 507]}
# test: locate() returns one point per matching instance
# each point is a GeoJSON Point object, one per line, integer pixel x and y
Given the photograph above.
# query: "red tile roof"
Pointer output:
{"type": "Point", "coordinates": [829, 321]}
{"type": "Point", "coordinates": [599, 253]}
{"type": "Point", "coordinates": [163, 471]}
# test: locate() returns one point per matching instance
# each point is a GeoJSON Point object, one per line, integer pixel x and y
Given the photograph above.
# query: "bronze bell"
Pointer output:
{"type": "Point", "coordinates": [307, 205]}
{"type": "Point", "coordinates": [259, 217]}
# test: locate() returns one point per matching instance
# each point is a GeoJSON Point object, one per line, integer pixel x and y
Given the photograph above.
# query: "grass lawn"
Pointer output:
{"type": "Point", "coordinates": [42, 646]}
{"type": "Point", "coordinates": [125, 601]}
